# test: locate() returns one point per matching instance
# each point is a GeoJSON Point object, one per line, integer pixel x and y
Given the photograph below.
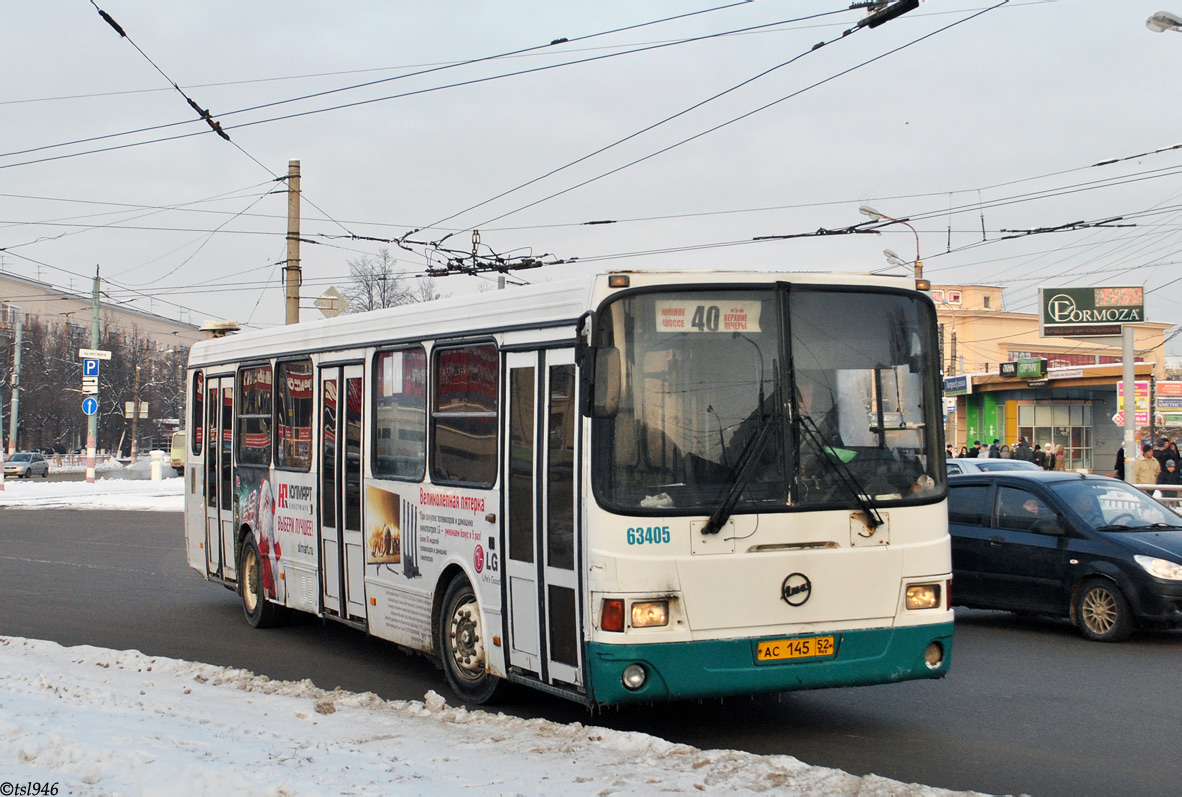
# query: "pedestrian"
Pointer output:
{"type": "Point", "coordinates": [948, 451]}
{"type": "Point", "coordinates": [1022, 450]}
{"type": "Point", "coordinates": [1120, 463]}
{"type": "Point", "coordinates": [1170, 476]}
{"type": "Point", "coordinates": [1039, 457]}
{"type": "Point", "coordinates": [975, 451]}
{"type": "Point", "coordinates": [1052, 457]}
{"type": "Point", "coordinates": [995, 449]}
{"type": "Point", "coordinates": [1005, 452]}
{"type": "Point", "coordinates": [1146, 468]}
{"type": "Point", "coordinates": [963, 453]}
{"type": "Point", "coordinates": [1060, 458]}
{"type": "Point", "coordinates": [1162, 452]}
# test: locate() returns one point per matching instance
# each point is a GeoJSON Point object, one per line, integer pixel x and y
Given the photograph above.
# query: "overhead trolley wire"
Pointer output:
{"type": "Point", "coordinates": [367, 84]}
{"type": "Point", "coordinates": [645, 129]}
{"type": "Point", "coordinates": [741, 117]}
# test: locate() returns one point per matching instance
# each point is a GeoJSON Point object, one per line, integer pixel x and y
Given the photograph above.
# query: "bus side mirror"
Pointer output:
{"type": "Point", "coordinates": [601, 382]}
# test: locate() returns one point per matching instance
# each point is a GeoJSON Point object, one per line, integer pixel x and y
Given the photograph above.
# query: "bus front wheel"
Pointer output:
{"type": "Point", "coordinates": [260, 612]}
{"type": "Point", "coordinates": [462, 645]}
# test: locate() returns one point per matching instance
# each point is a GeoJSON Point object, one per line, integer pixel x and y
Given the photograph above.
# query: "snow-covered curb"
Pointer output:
{"type": "Point", "coordinates": [166, 495]}
{"type": "Point", "coordinates": [99, 721]}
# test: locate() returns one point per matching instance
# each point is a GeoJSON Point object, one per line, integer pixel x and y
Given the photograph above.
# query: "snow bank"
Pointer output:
{"type": "Point", "coordinates": [166, 495]}
{"type": "Point", "coordinates": [99, 721]}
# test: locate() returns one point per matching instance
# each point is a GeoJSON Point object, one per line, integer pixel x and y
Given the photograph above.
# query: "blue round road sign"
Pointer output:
{"type": "Point", "coordinates": [90, 405]}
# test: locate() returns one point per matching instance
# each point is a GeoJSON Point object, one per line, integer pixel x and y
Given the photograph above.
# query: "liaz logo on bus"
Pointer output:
{"type": "Point", "coordinates": [796, 589]}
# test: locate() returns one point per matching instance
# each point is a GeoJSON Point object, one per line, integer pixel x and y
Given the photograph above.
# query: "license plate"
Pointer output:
{"type": "Point", "coordinates": [800, 648]}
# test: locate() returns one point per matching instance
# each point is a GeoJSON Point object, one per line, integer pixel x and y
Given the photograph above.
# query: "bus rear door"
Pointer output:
{"type": "Point", "coordinates": [219, 496]}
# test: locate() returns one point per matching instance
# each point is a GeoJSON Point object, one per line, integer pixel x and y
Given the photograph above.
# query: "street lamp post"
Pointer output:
{"type": "Point", "coordinates": [135, 413]}
{"type": "Point", "coordinates": [866, 210]}
{"type": "Point", "coordinates": [1163, 21]}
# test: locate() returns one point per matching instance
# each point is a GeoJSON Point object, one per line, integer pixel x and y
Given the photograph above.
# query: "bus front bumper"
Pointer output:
{"type": "Point", "coordinates": [717, 668]}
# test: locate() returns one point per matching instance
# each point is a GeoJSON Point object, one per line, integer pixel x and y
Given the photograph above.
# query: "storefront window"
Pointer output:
{"type": "Point", "coordinates": [1067, 425]}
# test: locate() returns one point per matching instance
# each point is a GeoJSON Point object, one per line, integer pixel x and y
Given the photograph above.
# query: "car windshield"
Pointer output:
{"type": "Point", "coordinates": [19, 458]}
{"type": "Point", "coordinates": [1112, 505]}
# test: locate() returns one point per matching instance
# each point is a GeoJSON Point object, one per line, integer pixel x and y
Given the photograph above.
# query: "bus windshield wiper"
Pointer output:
{"type": "Point", "coordinates": [844, 474]}
{"type": "Point", "coordinates": [744, 469]}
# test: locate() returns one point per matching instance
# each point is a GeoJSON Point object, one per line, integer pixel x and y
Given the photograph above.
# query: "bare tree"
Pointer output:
{"type": "Point", "coordinates": [376, 282]}
{"type": "Point", "coordinates": [424, 290]}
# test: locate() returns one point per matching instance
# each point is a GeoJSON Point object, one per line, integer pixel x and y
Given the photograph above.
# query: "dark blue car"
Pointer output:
{"type": "Point", "coordinates": [1090, 548]}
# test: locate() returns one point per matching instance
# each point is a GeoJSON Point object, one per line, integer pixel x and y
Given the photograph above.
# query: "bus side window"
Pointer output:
{"type": "Point", "coordinates": [254, 415]}
{"type": "Point", "coordinates": [197, 426]}
{"type": "Point", "coordinates": [399, 423]}
{"type": "Point", "coordinates": [464, 415]}
{"type": "Point", "coordinates": [293, 415]}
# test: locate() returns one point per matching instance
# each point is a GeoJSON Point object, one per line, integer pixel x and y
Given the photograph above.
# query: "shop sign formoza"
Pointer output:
{"type": "Point", "coordinates": [1084, 312]}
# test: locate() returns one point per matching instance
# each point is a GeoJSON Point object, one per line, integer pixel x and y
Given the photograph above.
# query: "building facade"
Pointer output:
{"type": "Point", "coordinates": [149, 353]}
{"type": "Point", "coordinates": [1066, 394]}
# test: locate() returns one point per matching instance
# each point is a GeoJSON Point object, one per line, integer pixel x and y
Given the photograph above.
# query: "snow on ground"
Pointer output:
{"type": "Point", "coordinates": [100, 721]}
{"type": "Point", "coordinates": [165, 495]}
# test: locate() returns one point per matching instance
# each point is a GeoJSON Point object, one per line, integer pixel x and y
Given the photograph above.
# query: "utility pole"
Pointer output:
{"type": "Point", "coordinates": [292, 276]}
{"type": "Point", "coordinates": [1128, 376]}
{"type": "Point", "coordinates": [16, 388]}
{"type": "Point", "coordinates": [92, 420]}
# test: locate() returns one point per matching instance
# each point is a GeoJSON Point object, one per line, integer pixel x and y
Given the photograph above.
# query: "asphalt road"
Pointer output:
{"type": "Point", "coordinates": [1030, 707]}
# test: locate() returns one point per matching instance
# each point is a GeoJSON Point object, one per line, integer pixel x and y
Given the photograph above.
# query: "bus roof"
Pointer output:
{"type": "Point", "coordinates": [548, 304]}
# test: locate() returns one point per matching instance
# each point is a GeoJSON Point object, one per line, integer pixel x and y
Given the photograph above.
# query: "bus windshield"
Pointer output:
{"type": "Point", "coordinates": [832, 393]}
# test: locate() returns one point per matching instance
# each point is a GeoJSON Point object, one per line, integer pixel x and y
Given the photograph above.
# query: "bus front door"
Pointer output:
{"type": "Point", "coordinates": [219, 496]}
{"type": "Point", "coordinates": [342, 554]}
{"type": "Point", "coordinates": [542, 549]}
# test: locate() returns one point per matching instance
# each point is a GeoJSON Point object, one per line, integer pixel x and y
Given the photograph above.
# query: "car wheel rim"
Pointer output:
{"type": "Point", "coordinates": [1099, 611]}
{"type": "Point", "coordinates": [466, 634]}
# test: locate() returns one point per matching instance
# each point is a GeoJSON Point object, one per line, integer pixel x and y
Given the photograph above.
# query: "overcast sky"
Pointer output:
{"type": "Point", "coordinates": [986, 119]}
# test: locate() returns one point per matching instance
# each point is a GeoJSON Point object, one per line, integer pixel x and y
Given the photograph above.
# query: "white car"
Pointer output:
{"type": "Point", "coordinates": [25, 464]}
{"type": "Point", "coordinates": [968, 465]}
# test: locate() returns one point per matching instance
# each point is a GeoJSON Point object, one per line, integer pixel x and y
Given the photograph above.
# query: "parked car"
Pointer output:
{"type": "Point", "coordinates": [176, 453]}
{"type": "Point", "coordinates": [975, 465]}
{"type": "Point", "coordinates": [1090, 548]}
{"type": "Point", "coordinates": [25, 464]}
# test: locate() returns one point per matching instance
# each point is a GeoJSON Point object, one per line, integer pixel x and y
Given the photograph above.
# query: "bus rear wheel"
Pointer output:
{"type": "Point", "coordinates": [462, 645]}
{"type": "Point", "coordinates": [260, 612]}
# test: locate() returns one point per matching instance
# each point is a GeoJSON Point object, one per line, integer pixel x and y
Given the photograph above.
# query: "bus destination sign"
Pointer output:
{"type": "Point", "coordinates": [1089, 312]}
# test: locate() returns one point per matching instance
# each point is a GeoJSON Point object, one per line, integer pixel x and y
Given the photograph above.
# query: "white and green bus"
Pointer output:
{"type": "Point", "coordinates": [633, 487]}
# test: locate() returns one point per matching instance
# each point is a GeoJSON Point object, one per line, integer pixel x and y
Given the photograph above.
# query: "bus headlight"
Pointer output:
{"type": "Point", "coordinates": [634, 677]}
{"type": "Point", "coordinates": [650, 614]}
{"type": "Point", "coordinates": [923, 596]}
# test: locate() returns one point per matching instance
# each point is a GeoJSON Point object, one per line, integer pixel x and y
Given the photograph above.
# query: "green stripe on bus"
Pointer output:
{"type": "Point", "coordinates": [716, 668]}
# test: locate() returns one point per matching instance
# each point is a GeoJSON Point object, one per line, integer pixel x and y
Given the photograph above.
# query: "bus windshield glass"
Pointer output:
{"type": "Point", "coordinates": [708, 400]}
